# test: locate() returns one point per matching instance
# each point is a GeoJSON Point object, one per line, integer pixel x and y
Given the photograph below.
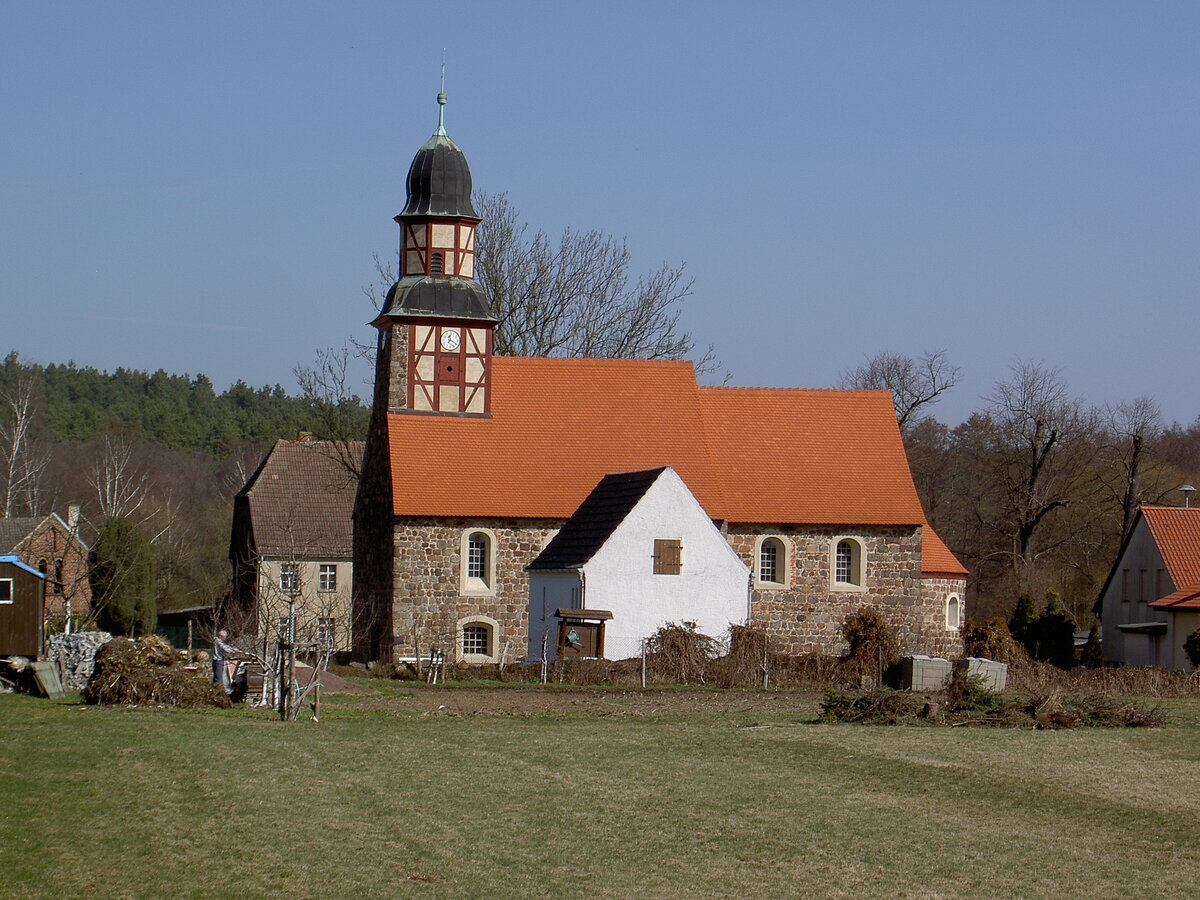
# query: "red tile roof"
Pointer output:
{"type": "Point", "coordinates": [750, 455]}
{"type": "Point", "coordinates": [1176, 532]}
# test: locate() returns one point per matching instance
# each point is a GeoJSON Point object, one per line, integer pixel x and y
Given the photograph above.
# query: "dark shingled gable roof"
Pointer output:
{"type": "Point", "coordinates": [13, 531]}
{"type": "Point", "coordinates": [596, 519]}
{"type": "Point", "coordinates": [301, 500]}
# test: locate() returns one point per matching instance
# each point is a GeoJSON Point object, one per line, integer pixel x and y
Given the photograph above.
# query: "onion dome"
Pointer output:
{"type": "Point", "coordinates": [439, 179]}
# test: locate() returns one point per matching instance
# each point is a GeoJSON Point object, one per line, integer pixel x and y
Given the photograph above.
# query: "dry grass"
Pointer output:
{"type": "Point", "coordinates": [377, 803]}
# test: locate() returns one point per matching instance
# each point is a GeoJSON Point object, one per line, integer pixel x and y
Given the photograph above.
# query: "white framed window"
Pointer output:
{"type": "Point", "coordinates": [6, 590]}
{"type": "Point", "coordinates": [478, 637]}
{"type": "Point", "coordinates": [953, 612]}
{"type": "Point", "coordinates": [289, 577]}
{"type": "Point", "coordinates": [327, 577]}
{"type": "Point", "coordinates": [847, 566]}
{"type": "Point", "coordinates": [281, 628]}
{"type": "Point", "coordinates": [325, 632]}
{"type": "Point", "coordinates": [771, 562]}
{"type": "Point", "coordinates": [478, 554]}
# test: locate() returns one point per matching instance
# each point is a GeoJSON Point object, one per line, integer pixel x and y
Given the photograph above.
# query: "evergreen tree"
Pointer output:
{"type": "Point", "coordinates": [1091, 656]}
{"type": "Point", "coordinates": [122, 577]}
{"type": "Point", "coordinates": [1020, 623]}
{"type": "Point", "coordinates": [1052, 634]}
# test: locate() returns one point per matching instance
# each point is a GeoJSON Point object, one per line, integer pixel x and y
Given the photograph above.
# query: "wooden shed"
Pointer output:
{"type": "Point", "coordinates": [22, 594]}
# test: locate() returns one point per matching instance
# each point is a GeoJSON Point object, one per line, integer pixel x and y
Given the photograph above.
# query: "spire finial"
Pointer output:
{"type": "Point", "coordinates": [441, 129]}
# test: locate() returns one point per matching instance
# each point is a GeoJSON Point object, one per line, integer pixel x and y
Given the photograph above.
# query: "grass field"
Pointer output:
{"type": "Point", "coordinates": [377, 801]}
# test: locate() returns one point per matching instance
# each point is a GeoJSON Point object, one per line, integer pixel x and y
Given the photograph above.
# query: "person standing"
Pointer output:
{"type": "Point", "coordinates": [223, 652]}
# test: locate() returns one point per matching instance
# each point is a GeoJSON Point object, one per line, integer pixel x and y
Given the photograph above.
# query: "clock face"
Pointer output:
{"type": "Point", "coordinates": [450, 339]}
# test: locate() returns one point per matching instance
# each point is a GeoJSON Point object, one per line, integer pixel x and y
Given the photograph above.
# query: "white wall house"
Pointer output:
{"type": "Point", "coordinates": [642, 548]}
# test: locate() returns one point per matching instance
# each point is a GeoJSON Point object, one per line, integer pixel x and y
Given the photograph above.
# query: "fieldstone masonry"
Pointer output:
{"type": "Point", "coordinates": [805, 615]}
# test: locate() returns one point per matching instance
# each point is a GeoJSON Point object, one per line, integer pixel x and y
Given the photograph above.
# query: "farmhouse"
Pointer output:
{"type": "Point", "coordinates": [1151, 601]}
{"type": "Point", "coordinates": [291, 543]}
{"type": "Point", "coordinates": [474, 462]}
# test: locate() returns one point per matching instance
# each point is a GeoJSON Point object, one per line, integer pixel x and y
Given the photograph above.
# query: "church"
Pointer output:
{"type": "Point", "coordinates": [474, 462]}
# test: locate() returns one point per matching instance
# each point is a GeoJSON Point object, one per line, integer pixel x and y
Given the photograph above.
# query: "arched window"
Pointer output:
{"type": "Point", "coordinates": [436, 264]}
{"type": "Point", "coordinates": [478, 637]}
{"type": "Point", "coordinates": [771, 562]}
{"type": "Point", "coordinates": [478, 562]}
{"type": "Point", "coordinates": [953, 612]}
{"type": "Point", "coordinates": [847, 565]}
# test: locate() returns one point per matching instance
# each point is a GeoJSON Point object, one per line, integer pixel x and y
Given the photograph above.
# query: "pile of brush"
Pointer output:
{"type": "Point", "coordinates": [148, 672]}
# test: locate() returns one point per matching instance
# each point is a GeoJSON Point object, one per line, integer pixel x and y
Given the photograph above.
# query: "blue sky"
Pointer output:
{"type": "Point", "coordinates": [201, 186]}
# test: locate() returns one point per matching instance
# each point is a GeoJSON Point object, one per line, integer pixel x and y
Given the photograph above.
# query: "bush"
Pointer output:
{"type": "Point", "coordinates": [873, 644]}
{"type": "Point", "coordinates": [679, 653]}
{"type": "Point", "coordinates": [1051, 637]}
{"type": "Point", "coordinates": [122, 579]}
{"type": "Point", "coordinates": [1192, 647]}
{"type": "Point", "coordinates": [992, 640]}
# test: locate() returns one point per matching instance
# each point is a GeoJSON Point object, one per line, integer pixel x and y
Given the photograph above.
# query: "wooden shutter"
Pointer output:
{"type": "Point", "coordinates": [668, 556]}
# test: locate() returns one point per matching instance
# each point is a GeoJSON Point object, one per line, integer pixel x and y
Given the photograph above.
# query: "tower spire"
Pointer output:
{"type": "Point", "coordinates": [441, 129]}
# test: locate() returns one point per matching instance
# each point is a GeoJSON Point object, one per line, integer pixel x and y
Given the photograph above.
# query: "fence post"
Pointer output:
{"type": "Point", "coordinates": [643, 662]}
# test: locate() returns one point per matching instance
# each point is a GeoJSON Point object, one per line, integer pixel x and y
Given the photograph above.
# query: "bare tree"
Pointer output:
{"type": "Point", "coordinates": [23, 461]}
{"type": "Point", "coordinates": [914, 383]}
{"type": "Point", "coordinates": [338, 411]}
{"type": "Point", "coordinates": [1133, 476]}
{"type": "Point", "coordinates": [573, 297]}
{"type": "Point", "coordinates": [1044, 463]}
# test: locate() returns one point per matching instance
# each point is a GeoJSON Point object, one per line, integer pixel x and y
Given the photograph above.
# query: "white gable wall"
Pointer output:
{"type": "Point", "coordinates": [711, 590]}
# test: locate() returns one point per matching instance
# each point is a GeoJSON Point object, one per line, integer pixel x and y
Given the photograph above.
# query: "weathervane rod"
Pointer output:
{"type": "Point", "coordinates": [441, 129]}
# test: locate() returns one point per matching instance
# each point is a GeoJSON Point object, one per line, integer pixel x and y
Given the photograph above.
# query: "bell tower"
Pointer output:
{"type": "Point", "coordinates": [434, 350]}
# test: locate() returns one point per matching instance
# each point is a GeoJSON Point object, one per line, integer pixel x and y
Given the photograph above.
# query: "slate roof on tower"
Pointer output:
{"type": "Point", "coordinates": [439, 180]}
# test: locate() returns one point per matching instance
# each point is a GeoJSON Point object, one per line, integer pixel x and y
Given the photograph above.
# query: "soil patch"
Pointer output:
{"type": "Point", "coordinates": [542, 700]}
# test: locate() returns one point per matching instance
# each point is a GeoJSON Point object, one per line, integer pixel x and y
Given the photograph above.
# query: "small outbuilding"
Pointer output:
{"type": "Point", "coordinates": [638, 553]}
{"type": "Point", "coordinates": [22, 593]}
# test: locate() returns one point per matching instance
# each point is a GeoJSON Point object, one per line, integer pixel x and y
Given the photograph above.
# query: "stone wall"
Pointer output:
{"type": "Point", "coordinates": [427, 572]}
{"type": "Point", "coordinates": [806, 614]}
{"type": "Point", "coordinates": [935, 591]}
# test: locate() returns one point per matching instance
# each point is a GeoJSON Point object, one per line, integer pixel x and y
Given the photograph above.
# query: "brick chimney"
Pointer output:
{"type": "Point", "coordinates": [304, 437]}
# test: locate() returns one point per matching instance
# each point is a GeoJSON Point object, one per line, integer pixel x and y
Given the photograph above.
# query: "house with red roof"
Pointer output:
{"type": "Point", "coordinates": [1150, 603]}
{"type": "Point", "coordinates": [474, 462]}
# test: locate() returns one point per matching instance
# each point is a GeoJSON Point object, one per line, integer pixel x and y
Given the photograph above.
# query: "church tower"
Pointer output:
{"type": "Point", "coordinates": [435, 332]}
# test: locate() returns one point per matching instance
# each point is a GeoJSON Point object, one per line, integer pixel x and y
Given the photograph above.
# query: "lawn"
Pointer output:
{"type": "Point", "coordinates": [380, 801]}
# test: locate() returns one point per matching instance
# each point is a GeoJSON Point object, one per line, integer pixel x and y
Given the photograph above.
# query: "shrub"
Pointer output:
{"type": "Point", "coordinates": [1051, 636]}
{"type": "Point", "coordinates": [992, 640]}
{"type": "Point", "coordinates": [1192, 647]}
{"type": "Point", "coordinates": [679, 653]}
{"type": "Point", "coordinates": [873, 643]}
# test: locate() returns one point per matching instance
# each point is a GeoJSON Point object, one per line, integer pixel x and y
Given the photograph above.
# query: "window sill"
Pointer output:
{"type": "Point", "coordinates": [847, 587]}
{"type": "Point", "coordinates": [770, 586]}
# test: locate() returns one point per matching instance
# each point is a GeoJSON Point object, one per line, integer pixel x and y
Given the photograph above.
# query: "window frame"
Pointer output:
{"type": "Point", "coordinates": [477, 585]}
{"type": "Point", "coordinates": [856, 574]}
{"type": "Point", "coordinates": [955, 602]}
{"type": "Point", "coordinates": [289, 577]}
{"type": "Point", "coordinates": [783, 562]}
{"type": "Point", "coordinates": [493, 636]}
{"type": "Point", "coordinates": [11, 591]}
{"type": "Point", "coordinates": [326, 632]}
{"type": "Point", "coordinates": [327, 585]}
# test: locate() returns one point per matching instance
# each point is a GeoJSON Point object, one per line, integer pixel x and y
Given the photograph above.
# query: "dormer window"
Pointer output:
{"type": "Point", "coordinates": [436, 264]}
